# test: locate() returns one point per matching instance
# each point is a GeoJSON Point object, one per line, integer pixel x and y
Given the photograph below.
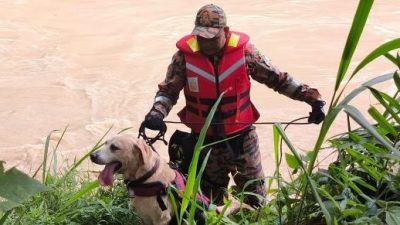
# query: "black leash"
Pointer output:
{"type": "Point", "coordinates": [161, 135]}
{"type": "Point", "coordinates": [261, 123]}
{"type": "Point", "coordinates": [151, 140]}
{"type": "Point", "coordinates": [293, 122]}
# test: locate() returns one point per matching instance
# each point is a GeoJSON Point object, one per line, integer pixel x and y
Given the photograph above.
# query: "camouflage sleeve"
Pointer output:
{"type": "Point", "coordinates": [169, 89]}
{"type": "Point", "coordinates": [261, 70]}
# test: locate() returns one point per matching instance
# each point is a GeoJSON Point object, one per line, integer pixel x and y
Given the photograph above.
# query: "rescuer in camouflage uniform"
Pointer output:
{"type": "Point", "coordinates": [239, 156]}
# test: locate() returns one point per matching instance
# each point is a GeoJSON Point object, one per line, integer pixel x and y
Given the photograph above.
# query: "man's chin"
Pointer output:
{"type": "Point", "coordinates": [209, 53]}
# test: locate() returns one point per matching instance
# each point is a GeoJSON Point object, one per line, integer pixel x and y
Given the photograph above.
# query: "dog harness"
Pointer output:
{"type": "Point", "coordinates": [138, 187]}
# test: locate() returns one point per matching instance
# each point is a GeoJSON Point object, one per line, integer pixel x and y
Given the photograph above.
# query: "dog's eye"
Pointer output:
{"type": "Point", "coordinates": [113, 147]}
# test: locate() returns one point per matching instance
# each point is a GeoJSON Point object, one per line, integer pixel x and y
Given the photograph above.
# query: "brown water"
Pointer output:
{"type": "Point", "coordinates": [95, 64]}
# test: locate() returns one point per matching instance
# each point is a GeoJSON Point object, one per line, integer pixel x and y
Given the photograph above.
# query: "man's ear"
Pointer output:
{"type": "Point", "coordinates": [226, 31]}
{"type": "Point", "coordinates": [144, 150]}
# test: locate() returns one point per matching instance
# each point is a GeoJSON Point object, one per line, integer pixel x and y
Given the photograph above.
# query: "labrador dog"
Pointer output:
{"type": "Point", "coordinates": [140, 166]}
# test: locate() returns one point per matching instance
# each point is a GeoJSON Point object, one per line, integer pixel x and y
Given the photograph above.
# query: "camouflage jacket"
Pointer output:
{"type": "Point", "coordinates": [258, 67]}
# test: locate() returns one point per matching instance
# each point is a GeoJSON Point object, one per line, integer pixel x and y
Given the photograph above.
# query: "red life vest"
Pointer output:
{"type": "Point", "coordinates": [204, 84]}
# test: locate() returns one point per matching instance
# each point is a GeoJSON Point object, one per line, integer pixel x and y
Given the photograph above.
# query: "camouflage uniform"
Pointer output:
{"type": "Point", "coordinates": [241, 156]}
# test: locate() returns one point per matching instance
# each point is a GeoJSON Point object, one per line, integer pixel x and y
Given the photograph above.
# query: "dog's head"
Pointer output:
{"type": "Point", "coordinates": [123, 154]}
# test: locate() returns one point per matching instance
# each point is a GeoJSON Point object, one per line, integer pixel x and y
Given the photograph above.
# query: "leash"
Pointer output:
{"type": "Point", "coordinates": [161, 135]}
{"type": "Point", "coordinates": [151, 140]}
{"type": "Point", "coordinates": [293, 122]}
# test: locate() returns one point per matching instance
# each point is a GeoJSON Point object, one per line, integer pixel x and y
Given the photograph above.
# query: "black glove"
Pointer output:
{"type": "Point", "coordinates": [153, 121]}
{"type": "Point", "coordinates": [317, 115]}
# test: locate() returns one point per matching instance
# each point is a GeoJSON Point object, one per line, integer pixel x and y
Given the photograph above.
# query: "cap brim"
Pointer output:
{"type": "Point", "coordinates": [206, 32]}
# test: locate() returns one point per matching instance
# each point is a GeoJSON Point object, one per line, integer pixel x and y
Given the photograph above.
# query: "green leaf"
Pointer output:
{"type": "Point", "coordinates": [398, 57]}
{"type": "Point", "coordinates": [45, 155]}
{"type": "Point", "coordinates": [84, 190]}
{"type": "Point", "coordinates": [383, 123]}
{"type": "Point", "coordinates": [171, 195]}
{"type": "Point", "coordinates": [359, 118]}
{"type": "Point", "coordinates": [363, 183]}
{"type": "Point", "coordinates": [291, 161]}
{"type": "Point", "coordinates": [356, 30]}
{"type": "Point", "coordinates": [393, 215]}
{"type": "Point", "coordinates": [381, 97]}
{"type": "Point", "coordinates": [396, 78]}
{"type": "Point", "coordinates": [381, 50]}
{"type": "Point", "coordinates": [392, 59]}
{"type": "Point", "coordinates": [370, 147]}
{"type": "Point", "coordinates": [16, 188]}
{"type": "Point", "coordinates": [353, 212]}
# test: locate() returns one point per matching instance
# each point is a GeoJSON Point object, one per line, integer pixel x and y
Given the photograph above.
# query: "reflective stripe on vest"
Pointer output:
{"type": "Point", "coordinates": [222, 76]}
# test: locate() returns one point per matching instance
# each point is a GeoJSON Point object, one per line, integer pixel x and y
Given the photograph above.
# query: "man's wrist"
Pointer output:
{"type": "Point", "coordinates": [155, 113]}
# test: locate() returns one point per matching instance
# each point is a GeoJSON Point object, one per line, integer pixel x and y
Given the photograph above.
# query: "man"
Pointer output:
{"type": "Point", "coordinates": [212, 60]}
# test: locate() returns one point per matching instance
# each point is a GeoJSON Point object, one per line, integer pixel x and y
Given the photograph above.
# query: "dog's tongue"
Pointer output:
{"type": "Point", "coordinates": [106, 176]}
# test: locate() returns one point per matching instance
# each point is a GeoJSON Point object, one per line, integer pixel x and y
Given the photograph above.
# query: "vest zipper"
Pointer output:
{"type": "Point", "coordinates": [215, 65]}
{"type": "Point", "coordinates": [219, 130]}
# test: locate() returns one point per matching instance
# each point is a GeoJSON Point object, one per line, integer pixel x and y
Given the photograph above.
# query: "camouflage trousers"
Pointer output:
{"type": "Point", "coordinates": [241, 158]}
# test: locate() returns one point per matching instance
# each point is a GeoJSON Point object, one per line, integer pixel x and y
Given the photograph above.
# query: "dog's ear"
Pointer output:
{"type": "Point", "coordinates": [145, 150]}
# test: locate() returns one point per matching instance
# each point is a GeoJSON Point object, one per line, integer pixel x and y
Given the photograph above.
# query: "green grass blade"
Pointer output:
{"type": "Point", "coordinates": [381, 50]}
{"type": "Point", "coordinates": [392, 59]}
{"type": "Point", "coordinates": [197, 187]}
{"type": "Point", "coordinates": [356, 30]}
{"type": "Point", "coordinates": [170, 192]}
{"type": "Point", "coordinates": [359, 118]}
{"type": "Point", "coordinates": [4, 217]}
{"type": "Point", "coordinates": [396, 78]}
{"type": "Point", "coordinates": [314, 190]}
{"type": "Point", "coordinates": [84, 190]}
{"type": "Point", "coordinates": [378, 117]}
{"type": "Point", "coordinates": [190, 184]}
{"type": "Point", "coordinates": [276, 156]}
{"type": "Point", "coordinates": [220, 141]}
{"type": "Point", "coordinates": [45, 154]}
{"type": "Point", "coordinates": [393, 103]}
{"type": "Point", "coordinates": [54, 157]}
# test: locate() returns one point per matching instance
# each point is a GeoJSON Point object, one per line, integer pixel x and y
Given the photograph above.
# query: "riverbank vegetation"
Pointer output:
{"type": "Point", "coordinates": [361, 186]}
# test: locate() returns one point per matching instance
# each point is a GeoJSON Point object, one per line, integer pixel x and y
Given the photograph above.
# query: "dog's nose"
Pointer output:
{"type": "Point", "coordinates": [93, 157]}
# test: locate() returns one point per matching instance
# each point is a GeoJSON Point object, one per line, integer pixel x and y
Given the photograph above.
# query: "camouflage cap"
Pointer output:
{"type": "Point", "coordinates": [210, 19]}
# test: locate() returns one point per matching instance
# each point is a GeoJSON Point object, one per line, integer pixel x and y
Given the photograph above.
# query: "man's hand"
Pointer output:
{"type": "Point", "coordinates": [153, 121]}
{"type": "Point", "coordinates": [317, 115]}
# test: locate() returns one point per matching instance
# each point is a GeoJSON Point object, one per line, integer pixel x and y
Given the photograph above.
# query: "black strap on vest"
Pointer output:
{"type": "Point", "coordinates": [210, 102]}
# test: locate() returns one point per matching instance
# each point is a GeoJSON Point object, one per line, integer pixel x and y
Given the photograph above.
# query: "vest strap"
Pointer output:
{"type": "Point", "coordinates": [229, 113]}
{"type": "Point", "coordinates": [211, 101]}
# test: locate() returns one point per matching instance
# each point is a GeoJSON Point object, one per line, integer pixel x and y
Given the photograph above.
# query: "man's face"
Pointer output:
{"type": "Point", "coordinates": [213, 46]}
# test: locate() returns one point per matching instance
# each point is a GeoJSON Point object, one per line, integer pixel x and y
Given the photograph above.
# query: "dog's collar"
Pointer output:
{"type": "Point", "coordinates": [143, 178]}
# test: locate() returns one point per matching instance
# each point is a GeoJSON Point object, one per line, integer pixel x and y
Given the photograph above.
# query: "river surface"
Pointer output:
{"type": "Point", "coordinates": [93, 64]}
